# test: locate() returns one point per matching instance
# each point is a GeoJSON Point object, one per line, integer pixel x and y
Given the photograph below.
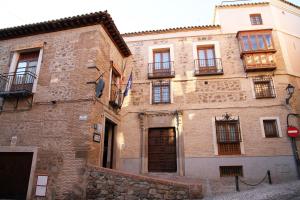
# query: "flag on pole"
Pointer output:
{"type": "Point", "coordinates": [128, 86]}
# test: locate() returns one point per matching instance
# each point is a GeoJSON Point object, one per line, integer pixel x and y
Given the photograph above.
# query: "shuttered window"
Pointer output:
{"type": "Point", "coordinates": [271, 128]}
{"type": "Point", "coordinates": [228, 137]}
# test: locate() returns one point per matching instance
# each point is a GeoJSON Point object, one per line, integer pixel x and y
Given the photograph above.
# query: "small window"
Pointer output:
{"type": "Point", "coordinates": [271, 128]}
{"type": "Point", "coordinates": [161, 92]}
{"type": "Point", "coordinates": [263, 87]}
{"type": "Point", "coordinates": [231, 171]}
{"type": "Point", "coordinates": [256, 19]}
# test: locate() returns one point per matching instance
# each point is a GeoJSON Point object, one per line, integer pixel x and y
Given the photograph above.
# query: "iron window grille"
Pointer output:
{"type": "Point", "coordinates": [256, 19]}
{"type": "Point", "coordinates": [228, 135]}
{"type": "Point", "coordinates": [264, 87]}
{"type": "Point", "coordinates": [161, 92]}
{"type": "Point", "coordinates": [231, 171]}
{"type": "Point", "coordinates": [271, 128]}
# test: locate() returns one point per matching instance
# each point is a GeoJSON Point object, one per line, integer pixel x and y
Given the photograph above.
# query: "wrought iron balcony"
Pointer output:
{"type": "Point", "coordinates": [161, 70]}
{"type": "Point", "coordinates": [17, 84]}
{"type": "Point", "coordinates": [205, 67]}
{"type": "Point", "coordinates": [116, 96]}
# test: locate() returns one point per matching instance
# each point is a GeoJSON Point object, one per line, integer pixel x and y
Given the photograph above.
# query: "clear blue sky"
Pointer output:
{"type": "Point", "coordinates": [129, 15]}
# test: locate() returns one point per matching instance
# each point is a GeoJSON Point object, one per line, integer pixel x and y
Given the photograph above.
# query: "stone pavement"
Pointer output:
{"type": "Point", "coordinates": [285, 191]}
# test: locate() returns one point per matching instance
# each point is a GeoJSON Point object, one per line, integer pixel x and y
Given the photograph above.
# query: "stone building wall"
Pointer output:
{"type": "Point", "coordinates": [109, 184]}
{"type": "Point", "coordinates": [64, 142]}
{"type": "Point", "coordinates": [201, 99]}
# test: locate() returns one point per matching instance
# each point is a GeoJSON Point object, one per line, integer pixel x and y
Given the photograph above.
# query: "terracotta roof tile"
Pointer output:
{"type": "Point", "coordinates": [170, 30]}
{"type": "Point", "coordinates": [90, 19]}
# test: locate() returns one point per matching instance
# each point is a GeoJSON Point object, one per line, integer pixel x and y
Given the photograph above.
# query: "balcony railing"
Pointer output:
{"type": "Point", "coordinates": [16, 84]}
{"type": "Point", "coordinates": [116, 96]}
{"type": "Point", "coordinates": [208, 67]}
{"type": "Point", "coordinates": [161, 70]}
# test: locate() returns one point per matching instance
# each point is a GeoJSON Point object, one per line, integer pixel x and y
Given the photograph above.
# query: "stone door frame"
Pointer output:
{"type": "Point", "coordinates": [161, 120]}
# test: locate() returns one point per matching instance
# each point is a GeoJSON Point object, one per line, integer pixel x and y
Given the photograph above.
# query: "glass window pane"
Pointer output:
{"type": "Point", "coordinates": [253, 42]}
{"type": "Point", "coordinates": [269, 41]}
{"type": "Point", "coordinates": [210, 54]}
{"type": "Point", "coordinates": [156, 94]}
{"type": "Point", "coordinates": [201, 57]}
{"type": "Point", "coordinates": [245, 43]}
{"type": "Point", "coordinates": [166, 57]}
{"type": "Point", "coordinates": [261, 42]}
{"type": "Point", "coordinates": [165, 94]}
{"type": "Point", "coordinates": [21, 67]}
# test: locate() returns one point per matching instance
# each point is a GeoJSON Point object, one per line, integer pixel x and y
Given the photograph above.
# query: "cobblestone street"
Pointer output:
{"type": "Point", "coordinates": [286, 191]}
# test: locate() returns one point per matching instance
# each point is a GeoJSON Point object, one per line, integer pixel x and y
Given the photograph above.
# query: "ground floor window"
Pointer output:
{"type": "Point", "coordinates": [231, 171]}
{"type": "Point", "coordinates": [228, 136]}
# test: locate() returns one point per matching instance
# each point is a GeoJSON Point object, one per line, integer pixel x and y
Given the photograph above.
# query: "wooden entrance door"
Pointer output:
{"type": "Point", "coordinates": [162, 150]}
{"type": "Point", "coordinates": [14, 174]}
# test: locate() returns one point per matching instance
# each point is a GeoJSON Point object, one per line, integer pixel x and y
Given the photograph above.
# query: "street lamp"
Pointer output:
{"type": "Point", "coordinates": [290, 91]}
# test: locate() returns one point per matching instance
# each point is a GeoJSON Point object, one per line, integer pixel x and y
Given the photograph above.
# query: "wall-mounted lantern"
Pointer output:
{"type": "Point", "coordinates": [290, 91]}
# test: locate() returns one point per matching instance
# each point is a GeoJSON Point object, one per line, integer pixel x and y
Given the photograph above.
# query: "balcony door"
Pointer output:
{"type": "Point", "coordinates": [206, 56]}
{"type": "Point", "coordinates": [24, 75]}
{"type": "Point", "coordinates": [161, 60]}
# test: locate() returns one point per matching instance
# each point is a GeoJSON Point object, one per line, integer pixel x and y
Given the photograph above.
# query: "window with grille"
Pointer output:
{"type": "Point", "coordinates": [270, 128]}
{"type": "Point", "coordinates": [231, 171]}
{"type": "Point", "coordinates": [161, 92]}
{"type": "Point", "coordinates": [264, 87]}
{"type": "Point", "coordinates": [256, 19]}
{"type": "Point", "coordinates": [228, 137]}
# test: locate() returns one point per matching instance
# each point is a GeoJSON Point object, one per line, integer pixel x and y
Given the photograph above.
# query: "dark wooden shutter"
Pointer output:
{"type": "Point", "coordinates": [162, 150]}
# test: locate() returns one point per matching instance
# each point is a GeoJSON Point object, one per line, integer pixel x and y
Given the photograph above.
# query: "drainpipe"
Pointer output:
{"type": "Point", "coordinates": [294, 145]}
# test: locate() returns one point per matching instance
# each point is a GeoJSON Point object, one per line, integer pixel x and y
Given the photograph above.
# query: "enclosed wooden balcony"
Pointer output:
{"type": "Point", "coordinates": [17, 84]}
{"type": "Point", "coordinates": [204, 67]}
{"type": "Point", "coordinates": [259, 62]}
{"type": "Point", "coordinates": [257, 50]}
{"type": "Point", "coordinates": [161, 70]}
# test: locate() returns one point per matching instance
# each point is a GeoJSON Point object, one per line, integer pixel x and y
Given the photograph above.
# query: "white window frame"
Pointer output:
{"type": "Point", "coordinates": [152, 49]}
{"type": "Point", "coordinates": [261, 119]}
{"type": "Point", "coordinates": [15, 59]}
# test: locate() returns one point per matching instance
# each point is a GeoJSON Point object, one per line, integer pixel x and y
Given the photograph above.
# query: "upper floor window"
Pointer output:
{"type": "Point", "coordinates": [161, 59]}
{"type": "Point", "coordinates": [162, 64]}
{"type": "Point", "coordinates": [263, 87]}
{"type": "Point", "coordinates": [206, 56]}
{"type": "Point", "coordinates": [254, 42]}
{"type": "Point", "coordinates": [115, 89]}
{"type": "Point", "coordinates": [161, 92]}
{"type": "Point", "coordinates": [228, 136]}
{"type": "Point", "coordinates": [270, 128]}
{"type": "Point", "coordinates": [256, 19]}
